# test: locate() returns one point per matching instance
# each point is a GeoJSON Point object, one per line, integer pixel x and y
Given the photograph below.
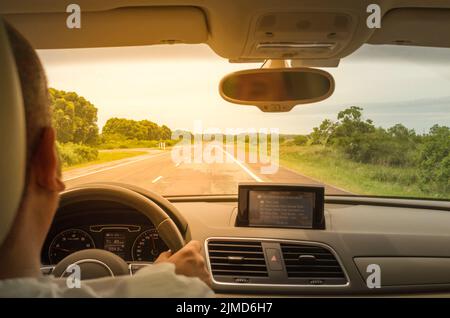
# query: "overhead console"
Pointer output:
{"type": "Point", "coordinates": [299, 35]}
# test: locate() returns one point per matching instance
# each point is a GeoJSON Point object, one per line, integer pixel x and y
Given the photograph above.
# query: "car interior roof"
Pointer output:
{"type": "Point", "coordinates": [235, 29]}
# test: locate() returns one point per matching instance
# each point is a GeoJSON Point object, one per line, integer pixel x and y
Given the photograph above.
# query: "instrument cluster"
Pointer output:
{"type": "Point", "coordinates": [132, 242]}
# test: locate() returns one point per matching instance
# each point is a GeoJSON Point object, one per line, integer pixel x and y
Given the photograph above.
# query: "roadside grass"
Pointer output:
{"type": "Point", "coordinates": [329, 166]}
{"type": "Point", "coordinates": [106, 156]}
{"type": "Point", "coordinates": [133, 143]}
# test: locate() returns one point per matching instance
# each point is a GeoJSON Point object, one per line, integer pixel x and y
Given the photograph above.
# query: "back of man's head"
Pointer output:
{"type": "Point", "coordinates": [20, 256]}
{"type": "Point", "coordinates": [34, 89]}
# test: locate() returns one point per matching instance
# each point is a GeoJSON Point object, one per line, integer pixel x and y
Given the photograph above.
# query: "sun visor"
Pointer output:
{"type": "Point", "coordinates": [414, 26]}
{"type": "Point", "coordinates": [118, 27]}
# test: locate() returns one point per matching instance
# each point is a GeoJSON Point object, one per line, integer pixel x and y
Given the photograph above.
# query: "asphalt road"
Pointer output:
{"type": "Point", "coordinates": [157, 171]}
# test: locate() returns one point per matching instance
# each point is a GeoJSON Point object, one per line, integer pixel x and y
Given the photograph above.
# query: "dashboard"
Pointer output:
{"type": "Point", "coordinates": [409, 241]}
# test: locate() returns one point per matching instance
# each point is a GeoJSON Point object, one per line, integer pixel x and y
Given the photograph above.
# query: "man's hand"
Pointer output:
{"type": "Point", "coordinates": [188, 261]}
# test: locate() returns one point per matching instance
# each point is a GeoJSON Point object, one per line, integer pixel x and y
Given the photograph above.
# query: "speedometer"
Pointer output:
{"type": "Point", "coordinates": [68, 242]}
{"type": "Point", "coordinates": [147, 246]}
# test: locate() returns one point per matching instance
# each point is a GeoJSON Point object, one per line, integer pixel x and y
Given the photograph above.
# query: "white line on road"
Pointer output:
{"type": "Point", "coordinates": [115, 166]}
{"type": "Point", "coordinates": [240, 164]}
{"type": "Point", "coordinates": [157, 179]}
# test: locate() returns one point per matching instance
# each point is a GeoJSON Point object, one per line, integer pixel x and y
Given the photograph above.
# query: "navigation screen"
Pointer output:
{"type": "Point", "coordinates": [281, 208]}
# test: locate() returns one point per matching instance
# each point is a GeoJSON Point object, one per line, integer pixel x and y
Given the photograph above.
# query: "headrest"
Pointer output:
{"type": "Point", "coordinates": [12, 136]}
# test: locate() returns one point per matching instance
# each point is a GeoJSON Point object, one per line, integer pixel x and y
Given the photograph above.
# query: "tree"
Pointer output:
{"type": "Point", "coordinates": [356, 137]}
{"type": "Point", "coordinates": [153, 131]}
{"type": "Point", "coordinates": [403, 143]}
{"type": "Point", "coordinates": [300, 140]}
{"type": "Point", "coordinates": [74, 118]}
{"type": "Point", "coordinates": [166, 133]}
{"type": "Point", "coordinates": [321, 135]}
{"type": "Point", "coordinates": [127, 128]}
{"type": "Point", "coordinates": [401, 132]}
{"type": "Point", "coordinates": [351, 123]}
{"type": "Point", "coordinates": [139, 130]}
{"type": "Point", "coordinates": [434, 160]}
{"type": "Point", "coordinates": [63, 114]}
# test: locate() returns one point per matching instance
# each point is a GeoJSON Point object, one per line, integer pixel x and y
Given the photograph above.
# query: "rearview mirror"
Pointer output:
{"type": "Point", "coordinates": [276, 90]}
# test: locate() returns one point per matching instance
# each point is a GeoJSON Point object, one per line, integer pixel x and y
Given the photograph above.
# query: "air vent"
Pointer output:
{"type": "Point", "coordinates": [266, 262]}
{"type": "Point", "coordinates": [238, 261]}
{"type": "Point", "coordinates": [314, 263]}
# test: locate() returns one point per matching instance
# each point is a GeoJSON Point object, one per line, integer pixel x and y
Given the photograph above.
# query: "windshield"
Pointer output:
{"type": "Point", "coordinates": [153, 117]}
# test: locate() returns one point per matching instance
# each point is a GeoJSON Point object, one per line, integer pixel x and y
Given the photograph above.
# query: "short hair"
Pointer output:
{"type": "Point", "coordinates": [35, 93]}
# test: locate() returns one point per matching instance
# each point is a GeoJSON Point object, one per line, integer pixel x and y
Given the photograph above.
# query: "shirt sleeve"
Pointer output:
{"type": "Point", "coordinates": [159, 280]}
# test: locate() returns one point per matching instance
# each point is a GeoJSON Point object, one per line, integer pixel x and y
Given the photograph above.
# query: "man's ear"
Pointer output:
{"type": "Point", "coordinates": [45, 163]}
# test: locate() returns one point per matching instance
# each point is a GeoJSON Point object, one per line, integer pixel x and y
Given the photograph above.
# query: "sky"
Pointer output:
{"type": "Point", "coordinates": [177, 85]}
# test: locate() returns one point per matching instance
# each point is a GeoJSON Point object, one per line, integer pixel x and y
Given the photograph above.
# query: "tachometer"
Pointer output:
{"type": "Point", "coordinates": [68, 242]}
{"type": "Point", "coordinates": [147, 246]}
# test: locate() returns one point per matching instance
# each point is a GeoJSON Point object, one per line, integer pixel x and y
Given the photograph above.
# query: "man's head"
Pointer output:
{"type": "Point", "coordinates": [34, 89]}
{"type": "Point", "coordinates": [43, 176]}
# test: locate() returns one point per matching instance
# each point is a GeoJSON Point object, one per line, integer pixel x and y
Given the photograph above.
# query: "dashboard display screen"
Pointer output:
{"type": "Point", "coordinates": [281, 208]}
{"type": "Point", "coordinates": [281, 205]}
{"type": "Point", "coordinates": [115, 242]}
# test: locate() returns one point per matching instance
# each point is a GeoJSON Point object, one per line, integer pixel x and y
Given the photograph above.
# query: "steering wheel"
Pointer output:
{"type": "Point", "coordinates": [96, 263]}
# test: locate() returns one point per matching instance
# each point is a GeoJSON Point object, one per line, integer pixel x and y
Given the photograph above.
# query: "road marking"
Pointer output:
{"type": "Point", "coordinates": [157, 179]}
{"type": "Point", "coordinates": [240, 164]}
{"type": "Point", "coordinates": [116, 166]}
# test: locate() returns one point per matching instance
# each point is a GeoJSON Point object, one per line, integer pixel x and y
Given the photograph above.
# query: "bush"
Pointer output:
{"type": "Point", "coordinates": [300, 140]}
{"type": "Point", "coordinates": [434, 160]}
{"type": "Point", "coordinates": [405, 177]}
{"type": "Point", "coordinates": [115, 141]}
{"type": "Point", "coordinates": [73, 154]}
{"type": "Point", "coordinates": [393, 147]}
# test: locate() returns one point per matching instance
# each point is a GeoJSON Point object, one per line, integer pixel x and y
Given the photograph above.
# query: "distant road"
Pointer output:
{"type": "Point", "coordinates": [157, 171]}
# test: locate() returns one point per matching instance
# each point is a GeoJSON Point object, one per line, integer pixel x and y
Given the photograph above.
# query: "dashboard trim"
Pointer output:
{"type": "Point", "coordinates": [394, 202]}
{"type": "Point", "coordinates": [288, 286]}
{"type": "Point", "coordinates": [137, 264]}
{"type": "Point", "coordinates": [47, 269]}
{"type": "Point", "coordinates": [104, 227]}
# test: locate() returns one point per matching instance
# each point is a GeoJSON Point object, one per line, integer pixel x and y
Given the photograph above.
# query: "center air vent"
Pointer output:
{"type": "Point", "coordinates": [260, 263]}
{"type": "Point", "coordinates": [312, 263]}
{"type": "Point", "coordinates": [240, 260]}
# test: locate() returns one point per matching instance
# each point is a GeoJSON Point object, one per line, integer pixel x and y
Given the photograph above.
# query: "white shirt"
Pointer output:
{"type": "Point", "coordinates": [157, 280]}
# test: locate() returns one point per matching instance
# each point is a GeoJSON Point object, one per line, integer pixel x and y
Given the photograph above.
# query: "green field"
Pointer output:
{"type": "Point", "coordinates": [106, 156]}
{"type": "Point", "coordinates": [329, 166]}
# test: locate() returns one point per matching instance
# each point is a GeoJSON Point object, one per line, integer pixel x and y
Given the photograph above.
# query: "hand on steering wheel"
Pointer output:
{"type": "Point", "coordinates": [188, 261]}
{"type": "Point", "coordinates": [99, 263]}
